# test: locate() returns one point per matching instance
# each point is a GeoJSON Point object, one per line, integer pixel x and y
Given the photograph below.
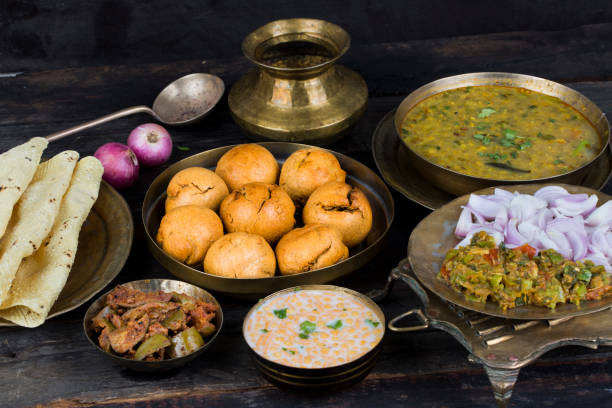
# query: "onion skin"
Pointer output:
{"type": "Point", "coordinates": [151, 143]}
{"type": "Point", "coordinates": [120, 164]}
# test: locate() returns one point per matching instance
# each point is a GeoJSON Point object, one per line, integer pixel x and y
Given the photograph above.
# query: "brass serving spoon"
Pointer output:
{"type": "Point", "coordinates": [182, 102]}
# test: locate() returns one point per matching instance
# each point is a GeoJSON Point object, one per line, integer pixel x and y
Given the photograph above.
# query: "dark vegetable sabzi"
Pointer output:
{"type": "Point", "coordinates": [516, 277]}
{"type": "Point", "coordinates": [153, 326]}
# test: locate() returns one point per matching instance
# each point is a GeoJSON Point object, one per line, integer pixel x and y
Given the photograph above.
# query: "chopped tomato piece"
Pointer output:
{"type": "Point", "coordinates": [493, 256]}
{"type": "Point", "coordinates": [444, 272]}
{"type": "Point", "coordinates": [527, 250]}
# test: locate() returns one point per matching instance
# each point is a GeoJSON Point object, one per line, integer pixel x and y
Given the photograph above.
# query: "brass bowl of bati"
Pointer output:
{"type": "Point", "coordinates": [298, 93]}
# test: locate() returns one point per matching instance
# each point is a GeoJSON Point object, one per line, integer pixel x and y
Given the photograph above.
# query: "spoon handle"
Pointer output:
{"type": "Point", "coordinates": [103, 119]}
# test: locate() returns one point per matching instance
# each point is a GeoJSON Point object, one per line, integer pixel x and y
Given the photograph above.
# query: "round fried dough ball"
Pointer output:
{"type": "Point", "coordinates": [247, 163]}
{"type": "Point", "coordinates": [240, 255]}
{"type": "Point", "coordinates": [343, 207]}
{"type": "Point", "coordinates": [311, 247]}
{"type": "Point", "coordinates": [258, 208]}
{"type": "Point", "coordinates": [307, 169]}
{"type": "Point", "coordinates": [185, 233]}
{"type": "Point", "coordinates": [197, 186]}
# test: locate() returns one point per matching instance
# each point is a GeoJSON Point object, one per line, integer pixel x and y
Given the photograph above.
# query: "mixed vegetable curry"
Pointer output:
{"type": "Point", "coordinates": [516, 277]}
{"type": "Point", "coordinates": [153, 326]}
{"type": "Point", "coordinates": [500, 132]}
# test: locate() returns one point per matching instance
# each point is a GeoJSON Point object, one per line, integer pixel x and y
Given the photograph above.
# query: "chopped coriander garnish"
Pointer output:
{"type": "Point", "coordinates": [280, 313]}
{"type": "Point", "coordinates": [506, 143]}
{"type": "Point", "coordinates": [297, 289]}
{"type": "Point", "coordinates": [335, 325]}
{"type": "Point", "coordinates": [525, 145]}
{"type": "Point", "coordinates": [306, 328]}
{"type": "Point", "coordinates": [509, 134]}
{"type": "Point", "coordinates": [552, 120]}
{"type": "Point", "coordinates": [514, 155]}
{"type": "Point", "coordinates": [486, 112]}
{"type": "Point", "coordinates": [264, 330]}
{"type": "Point", "coordinates": [478, 136]}
{"type": "Point", "coordinates": [532, 106]}
{"type": "Point", "coordinates": [288, 351]}
{"type": "Point", "coordinates": [558, 161]}
{"type": "Point", "coordinates": [372, 322]}
{"type": "Point", "coordinates": [183, 148]}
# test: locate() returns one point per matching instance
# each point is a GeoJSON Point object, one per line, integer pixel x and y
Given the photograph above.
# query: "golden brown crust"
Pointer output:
{"type": "Point", "coordinates": [240, 255]}
{"type": "Point", "coordinates": [307, 169]}
{"type": "Point", "coordinates": [341, 206]}
{"type": "Point", "coordinates": [196, 186]}
{"type": "Point", "coordinates": [247, 163]}
{"type": "Point", "coordinates": [311, 247]}
{"type": "Point", "coordinates": [258, 208]}
{"type": "Point", "coordinates": [186, 232]}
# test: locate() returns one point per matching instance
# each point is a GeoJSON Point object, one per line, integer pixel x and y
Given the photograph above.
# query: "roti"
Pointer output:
{"type": "Point", "coordinates": [42, 276]}
{"type": "Point", "coordinates": [34, 215]}
{"type": "Point", "coordinates": [16, 172]}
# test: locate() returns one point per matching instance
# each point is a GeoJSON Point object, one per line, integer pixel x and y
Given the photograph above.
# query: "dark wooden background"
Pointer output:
{"type": "Point", "coordinates": [65, 62]}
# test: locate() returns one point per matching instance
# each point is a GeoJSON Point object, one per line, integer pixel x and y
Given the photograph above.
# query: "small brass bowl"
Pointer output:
{"type": "Point", "coordinates": [459, 183]}
{"type": "Point", "coordinates": [152, 285]}
{"type": "Point", "coordinates": [318, 378]}
{"type": "Point", "coordinates": [358, 175]}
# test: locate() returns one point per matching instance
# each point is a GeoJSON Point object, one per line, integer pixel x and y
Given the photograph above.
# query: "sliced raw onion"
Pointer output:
{"type": "Point", "coordinates": [602, 215]}
{"type": "Point", "coordinates": [552, 218]}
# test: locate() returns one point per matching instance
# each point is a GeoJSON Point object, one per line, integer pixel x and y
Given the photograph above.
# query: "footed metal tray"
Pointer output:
{"type": "Point", "coordinates": [434, 236]}
{"type": "Point", "coordinates": [502, 346]}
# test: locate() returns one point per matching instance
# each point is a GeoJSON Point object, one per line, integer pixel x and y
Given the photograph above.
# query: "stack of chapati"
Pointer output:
{"type": "Point", "coordinates": [42, 208]}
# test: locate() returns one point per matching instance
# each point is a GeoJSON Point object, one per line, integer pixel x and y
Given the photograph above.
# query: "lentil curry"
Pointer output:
{"type": "Point", "coordinates": [500, 132]}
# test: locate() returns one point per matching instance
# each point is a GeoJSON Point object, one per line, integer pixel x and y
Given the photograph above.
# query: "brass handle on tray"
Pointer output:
{"type": "Point", "coordinates": [418, 312]}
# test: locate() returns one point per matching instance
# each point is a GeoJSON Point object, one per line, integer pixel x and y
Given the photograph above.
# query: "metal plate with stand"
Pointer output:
{"type": "Point", "coordinates": [502, 346]}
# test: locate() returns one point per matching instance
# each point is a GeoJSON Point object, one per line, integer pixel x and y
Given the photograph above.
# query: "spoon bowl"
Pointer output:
{"type": "Point", "coordinates": [182, 102]}
{"type": "Point", "coordinates": [188, 99]}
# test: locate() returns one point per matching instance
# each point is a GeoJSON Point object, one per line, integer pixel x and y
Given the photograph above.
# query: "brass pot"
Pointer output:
{"type": "Point", "coordinates": [458, 183]}
{"type": "Point", "coordinates": [298, 94]}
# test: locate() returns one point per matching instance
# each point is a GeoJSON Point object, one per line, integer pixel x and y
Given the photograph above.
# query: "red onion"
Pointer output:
{"type": "Point", "coordinates": [120, 164]}
{"type": "Point", "coordinates": [151, 143]}
{"type": "Point", "coordinates": [551, 218]}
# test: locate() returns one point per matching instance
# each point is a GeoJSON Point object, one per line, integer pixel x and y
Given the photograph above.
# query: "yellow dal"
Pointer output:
{"type": "Point", "coordinates": [463, 129]}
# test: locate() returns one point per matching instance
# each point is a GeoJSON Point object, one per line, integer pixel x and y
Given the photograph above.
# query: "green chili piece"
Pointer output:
{"type": "Point", "coordinates": [584, 275]}
{"type": "Point", "coordinates": [583, 143]}
{"type": "Point", "coordinates": [174, 320]}
{"type": "Point", "coordinates": [186, 342]}
{"type": "Point", "coordinates": [151, 345]}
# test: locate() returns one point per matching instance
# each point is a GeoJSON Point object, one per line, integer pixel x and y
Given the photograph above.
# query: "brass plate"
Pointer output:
{"type": "Point", "coordinates": [459, 183]}
{"type": "Point", "coordinates": [392, 160]}
{"type": "Point", "coordinates": [434, 236]}
{"type": "Point", "coordinates": [104, 245]}
{"type": "Point", "coordinates": [357, 174]}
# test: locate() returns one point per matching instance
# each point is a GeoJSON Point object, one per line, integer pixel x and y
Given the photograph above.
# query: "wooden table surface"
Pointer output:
{"type": "Point", "coordinates": [54, 365]}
